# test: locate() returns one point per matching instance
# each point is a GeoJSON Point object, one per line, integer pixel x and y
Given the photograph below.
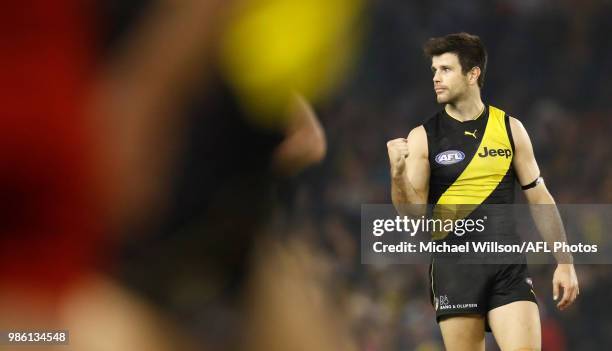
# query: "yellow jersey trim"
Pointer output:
{"type": "Point", "coordinates": [481, 176]}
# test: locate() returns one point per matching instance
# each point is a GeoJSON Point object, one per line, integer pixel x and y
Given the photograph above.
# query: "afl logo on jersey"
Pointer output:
{"type": "Point", "coordinates": [449, 157]}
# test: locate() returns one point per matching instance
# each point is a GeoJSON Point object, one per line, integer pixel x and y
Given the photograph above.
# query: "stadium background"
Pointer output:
{"type": "Point", "coordinates": [549, 66]}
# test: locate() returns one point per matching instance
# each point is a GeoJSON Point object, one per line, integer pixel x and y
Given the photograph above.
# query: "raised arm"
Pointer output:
{"type": "Point", "coordinates": [409, 171]}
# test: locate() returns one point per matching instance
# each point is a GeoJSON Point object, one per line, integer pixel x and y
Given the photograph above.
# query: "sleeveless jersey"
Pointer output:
{"type": "Point", "coordinates": [471, 166]}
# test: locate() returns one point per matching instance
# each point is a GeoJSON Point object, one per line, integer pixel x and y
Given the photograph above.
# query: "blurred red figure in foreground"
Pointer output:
{"type": "Point", "coordinates": [84, 143]}
{"type": "Point", "coordinates": [49, 217]}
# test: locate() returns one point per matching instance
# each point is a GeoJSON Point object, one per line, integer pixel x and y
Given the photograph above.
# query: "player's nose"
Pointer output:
{"type": "Point", "coordinates": [436, 78]}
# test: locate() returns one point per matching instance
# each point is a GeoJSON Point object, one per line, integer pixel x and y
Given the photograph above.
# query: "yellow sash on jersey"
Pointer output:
{"type": "Point", "coordinates": [481, 176]}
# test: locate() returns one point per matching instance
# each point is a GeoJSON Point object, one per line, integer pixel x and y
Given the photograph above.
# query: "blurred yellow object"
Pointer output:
{"type": "Point", "coordinates": [272, 48]}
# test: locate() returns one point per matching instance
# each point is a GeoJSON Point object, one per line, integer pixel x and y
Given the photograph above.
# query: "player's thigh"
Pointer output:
{"type": "Point", "coordinates": [516, 326]}
{"type": "Point", "coordinates": [463, 332]}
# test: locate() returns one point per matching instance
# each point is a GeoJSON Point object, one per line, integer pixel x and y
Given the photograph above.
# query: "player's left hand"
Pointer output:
{"type": "Point", "coordinates": [565, 277]}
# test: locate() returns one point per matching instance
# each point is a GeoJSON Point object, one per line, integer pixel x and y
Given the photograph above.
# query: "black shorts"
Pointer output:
{"type": "Point", "coordinates": [457, 289]}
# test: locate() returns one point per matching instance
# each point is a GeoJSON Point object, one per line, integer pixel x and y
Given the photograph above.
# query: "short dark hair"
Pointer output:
{"type": "Point", "coordinates": [468, 47]}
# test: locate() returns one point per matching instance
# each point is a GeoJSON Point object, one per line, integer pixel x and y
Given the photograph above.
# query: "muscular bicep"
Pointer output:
{"type": "Point", "coordinates": [524, 161]}
{"type": "Point", "coordinates": [417, 162]}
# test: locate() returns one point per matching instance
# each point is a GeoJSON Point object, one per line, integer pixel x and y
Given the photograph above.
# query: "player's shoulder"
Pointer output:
{"type": "Point", "coordinates": [518, 133]}
{"type": "Point", "coordinates": [512, 120]}
{"type": "Point", "coordinates": [516, 126]}
{"type": "Point", "coordinates": [433, 124]}
{"type": "Point", "coordinates": [515, 122]}
{"type": "Point", "coordinates": [417, 133]}
{"type": "Point", "coordinates": [417, 140]}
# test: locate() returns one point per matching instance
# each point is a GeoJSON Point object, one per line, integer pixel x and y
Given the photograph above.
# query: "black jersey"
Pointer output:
{"type": "Point", "coordinates": [472, 177]}
{"type": "Point", "coordinates": [471, 166]}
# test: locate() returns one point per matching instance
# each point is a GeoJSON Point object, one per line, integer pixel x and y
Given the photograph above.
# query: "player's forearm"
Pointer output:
{"type": "Point", "coordinates": [398, 196]}
{"type": "Point", "coordinates": [404, 197]}
{"type": "Point", "coordinates": [548, 221]}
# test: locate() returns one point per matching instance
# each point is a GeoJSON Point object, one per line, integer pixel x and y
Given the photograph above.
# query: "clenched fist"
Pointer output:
{"type": "Point", "coordinates": [398, 152]}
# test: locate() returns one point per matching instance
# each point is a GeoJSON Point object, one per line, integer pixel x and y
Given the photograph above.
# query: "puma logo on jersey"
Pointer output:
{"type": "Point", "coordinates": [495, 152]}
{"type": "Point", "coordinates": [471, 133]}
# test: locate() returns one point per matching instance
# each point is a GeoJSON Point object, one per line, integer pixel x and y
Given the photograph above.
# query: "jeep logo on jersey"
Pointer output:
{"type": "Point", "coordinates": [495, 152]}
{"type": "Point", "coordinates": [449, 157]}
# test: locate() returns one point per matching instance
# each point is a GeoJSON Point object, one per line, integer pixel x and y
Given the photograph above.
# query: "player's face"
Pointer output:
{"type": "Point", "coordinates": [449, 82]}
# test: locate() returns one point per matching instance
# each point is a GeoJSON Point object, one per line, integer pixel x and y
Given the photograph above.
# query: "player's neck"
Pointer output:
{"type": "Point", "coordinates": [465, 109]}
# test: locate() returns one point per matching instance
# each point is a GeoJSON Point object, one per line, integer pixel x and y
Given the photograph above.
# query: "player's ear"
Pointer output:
{"type": "Point", "coordinates": [473, 75]}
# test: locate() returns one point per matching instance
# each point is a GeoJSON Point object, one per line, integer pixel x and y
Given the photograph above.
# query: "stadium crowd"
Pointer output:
{"type": "Point", "coordinates": [548, 67]}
